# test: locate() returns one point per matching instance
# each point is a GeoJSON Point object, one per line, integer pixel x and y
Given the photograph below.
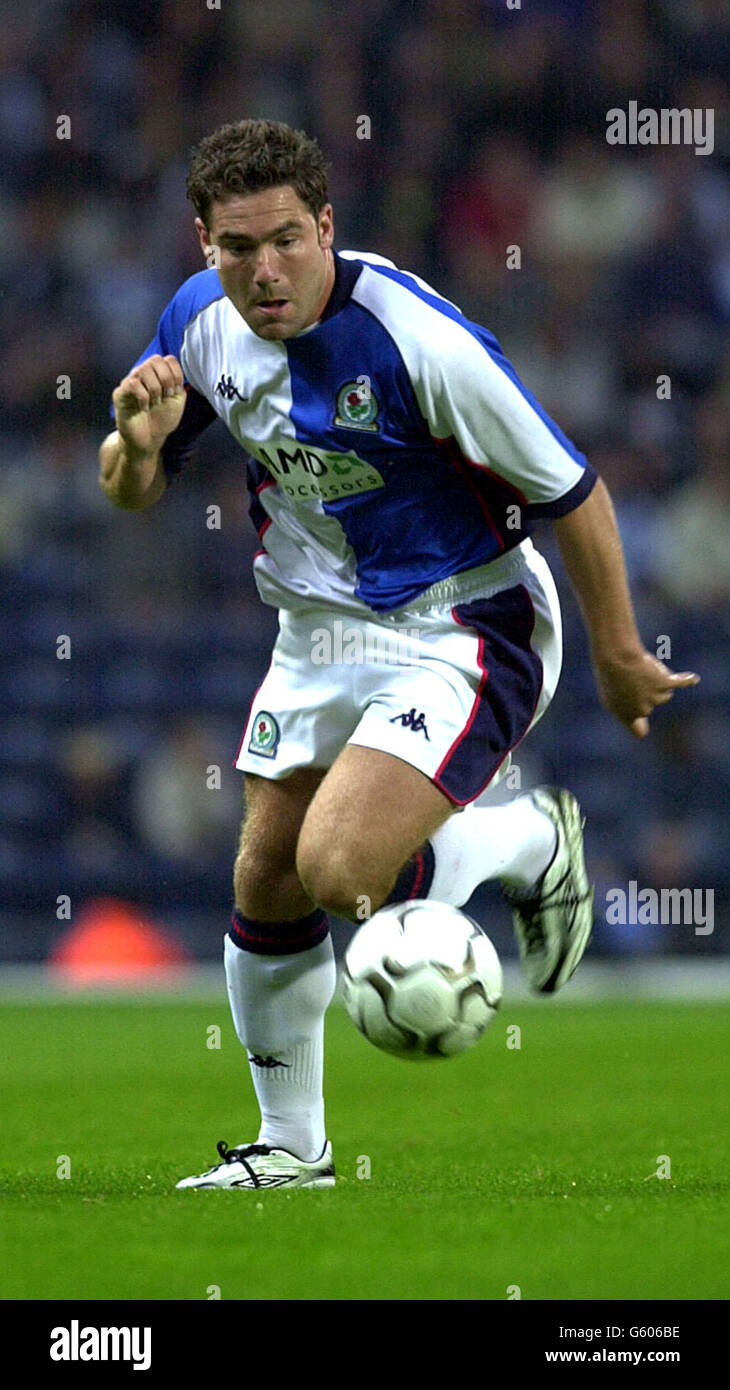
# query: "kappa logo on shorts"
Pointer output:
{"type": "Point", "coordinates": [410, 720]}
{"type": "Point", "coordinates": [265, 735]}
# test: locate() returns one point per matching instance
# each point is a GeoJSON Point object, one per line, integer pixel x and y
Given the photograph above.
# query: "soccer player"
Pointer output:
{"type": "Point", "coordinates": [396, 465]}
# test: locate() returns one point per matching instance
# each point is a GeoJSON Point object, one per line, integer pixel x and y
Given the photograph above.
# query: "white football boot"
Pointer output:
{"type": "Point", "coordinates": [255, 1166]}
{"type": "Point", "coordinates": [553, 920]}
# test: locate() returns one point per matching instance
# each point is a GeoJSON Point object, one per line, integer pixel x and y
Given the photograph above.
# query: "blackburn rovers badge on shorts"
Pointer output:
{"type": "Point", "coordinates": [265, 735]}
{"type": "Point", "coordinates": [357, 406]}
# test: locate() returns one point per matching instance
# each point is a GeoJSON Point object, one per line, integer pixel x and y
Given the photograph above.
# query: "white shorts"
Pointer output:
{"type": "Point", "coordinates": [451, 684]}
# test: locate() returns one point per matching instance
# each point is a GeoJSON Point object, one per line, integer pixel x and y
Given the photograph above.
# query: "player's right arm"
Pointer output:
{"type": "Point", "coordinates": [148, 406]}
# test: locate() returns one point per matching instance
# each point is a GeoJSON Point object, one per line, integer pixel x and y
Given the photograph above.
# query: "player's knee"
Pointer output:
{"type": "Point", "coordinates": [339, 881]}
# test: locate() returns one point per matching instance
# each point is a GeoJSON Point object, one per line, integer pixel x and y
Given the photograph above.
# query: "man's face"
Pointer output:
{"type": "Point", "coordinates": [275, 259]}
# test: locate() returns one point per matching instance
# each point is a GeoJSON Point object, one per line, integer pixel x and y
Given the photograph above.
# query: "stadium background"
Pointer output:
{"type": "Point", "coordinates": [487, 130]}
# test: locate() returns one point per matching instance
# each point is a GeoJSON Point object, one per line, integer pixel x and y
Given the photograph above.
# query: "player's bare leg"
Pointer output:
{"type": "Point", "coordinates": [373, 812]}
{"type": "Point", "coordinates": [265, 880]}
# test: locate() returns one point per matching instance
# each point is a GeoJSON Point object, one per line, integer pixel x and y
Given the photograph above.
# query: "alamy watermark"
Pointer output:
{"type": "Point", "coordinates": [343, 645]}
{"type": "Point", "coordinates": [668, 126]}
{"type": "Point", "coordinates": [665, 907]}
{"type": "Point", "coordinates": [81, 1343]}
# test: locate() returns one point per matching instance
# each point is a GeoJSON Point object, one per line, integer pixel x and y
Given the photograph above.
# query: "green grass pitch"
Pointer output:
{"type": "Point", "coordinates": [532, 1167]}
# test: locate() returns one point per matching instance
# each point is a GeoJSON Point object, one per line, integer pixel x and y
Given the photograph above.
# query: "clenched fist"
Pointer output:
{"type": "Point", "coordinates": [149, 403]}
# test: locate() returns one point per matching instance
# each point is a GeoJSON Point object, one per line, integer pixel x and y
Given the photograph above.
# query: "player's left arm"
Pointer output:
{"type": "Point", "coordinates": [469, 391]}
{"type": "Point", "coordinates": [631, 681]}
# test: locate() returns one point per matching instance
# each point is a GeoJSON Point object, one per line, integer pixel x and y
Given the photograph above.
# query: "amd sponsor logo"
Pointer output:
{"type": "Point", "coordinates": [76, 1343]}
{"type": "Point", "coordinates": [305, 472]}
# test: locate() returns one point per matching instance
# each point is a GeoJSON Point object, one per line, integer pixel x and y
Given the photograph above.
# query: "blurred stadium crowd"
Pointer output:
{"type": "Point", "coordinates": [487, 129]}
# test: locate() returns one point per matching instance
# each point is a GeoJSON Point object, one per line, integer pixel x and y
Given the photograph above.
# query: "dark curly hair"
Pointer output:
{"type": "Point", "coordinates": [247, 156]}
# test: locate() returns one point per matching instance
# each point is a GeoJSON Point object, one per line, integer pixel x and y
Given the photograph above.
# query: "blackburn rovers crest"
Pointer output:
{"type": "Point", "coordinates": [265, 735]}
{"type": "Point", "coordinates": [357, 406]}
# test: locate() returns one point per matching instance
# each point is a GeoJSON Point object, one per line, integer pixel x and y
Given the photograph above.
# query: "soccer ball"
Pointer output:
{"type": "Point", "coordinates": [421, 980]}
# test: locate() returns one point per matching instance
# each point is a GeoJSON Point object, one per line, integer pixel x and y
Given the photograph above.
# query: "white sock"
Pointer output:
{"type": "Point", "coordinates": [514, 843]}
{"type": "Point", "coordinates": [278, 1005]}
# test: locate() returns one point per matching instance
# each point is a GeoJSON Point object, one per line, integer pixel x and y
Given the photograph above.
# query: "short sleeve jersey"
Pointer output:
{"type": "Point", "coordinates": [389, 446]}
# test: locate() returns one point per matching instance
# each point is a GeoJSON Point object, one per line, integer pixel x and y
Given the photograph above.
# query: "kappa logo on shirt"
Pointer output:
{"type": "Point", "coordinates": [228, 390]}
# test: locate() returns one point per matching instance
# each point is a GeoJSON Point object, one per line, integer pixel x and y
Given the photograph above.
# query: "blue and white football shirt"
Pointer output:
{"type": "Point", "coordinates": [391, 445]}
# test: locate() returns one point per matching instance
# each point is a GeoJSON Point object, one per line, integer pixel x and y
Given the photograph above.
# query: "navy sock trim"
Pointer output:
{"type": "Point", "coordinates": [415, 878]}
{"type": "Point", "coordinates": [278, 938]}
